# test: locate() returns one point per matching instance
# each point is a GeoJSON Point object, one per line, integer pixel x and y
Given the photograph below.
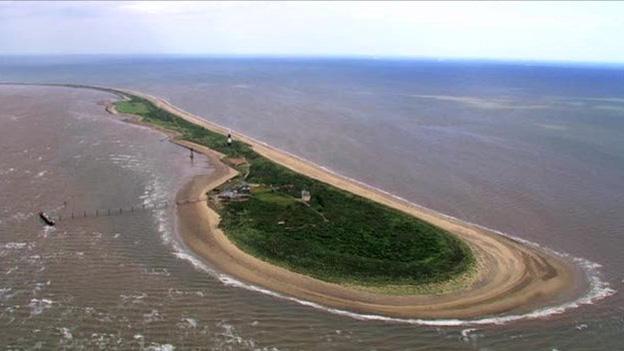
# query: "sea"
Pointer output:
{"type": "Point", "coordinates": [532, 150]}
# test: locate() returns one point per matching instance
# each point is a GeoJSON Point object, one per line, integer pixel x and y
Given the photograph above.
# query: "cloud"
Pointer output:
{"type": "Point", "coordinates": [170, 8]}
{"type": "Point", "coordinates": [533, 30]}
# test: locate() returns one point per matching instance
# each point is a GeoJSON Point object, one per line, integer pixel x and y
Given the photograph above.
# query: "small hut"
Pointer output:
{"type": "Point", "coordinates": [233, 196]}
{"type": "Point", "coordinates": [305, 195]}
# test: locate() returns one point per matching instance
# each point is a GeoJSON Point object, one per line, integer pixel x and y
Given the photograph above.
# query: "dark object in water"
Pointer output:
{"type": "Point", "coordinates": [49, 221]}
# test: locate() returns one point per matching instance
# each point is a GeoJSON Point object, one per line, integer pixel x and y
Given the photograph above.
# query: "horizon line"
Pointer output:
{"type": "Point", "coordinates": [328, 57]}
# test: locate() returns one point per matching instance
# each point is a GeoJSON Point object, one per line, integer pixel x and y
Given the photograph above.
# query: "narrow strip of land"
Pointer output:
{"type": "Point", "coordinates": [510, 276]}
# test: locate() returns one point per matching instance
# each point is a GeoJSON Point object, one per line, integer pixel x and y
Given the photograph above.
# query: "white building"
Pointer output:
{"type": "Point", "coordinates": [305, 195]}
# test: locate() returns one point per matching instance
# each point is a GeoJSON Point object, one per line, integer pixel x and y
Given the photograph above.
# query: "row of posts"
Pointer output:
{"type": "Point", "coordinates": [110, 212]}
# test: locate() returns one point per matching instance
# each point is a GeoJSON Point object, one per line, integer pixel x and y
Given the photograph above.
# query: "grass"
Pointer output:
{"type": "Point", "coordinates": [275, 198]}
{"type": "Point", "coordinates": [132, 107]}
{"type": "Point", "coordinates": [337, 236]}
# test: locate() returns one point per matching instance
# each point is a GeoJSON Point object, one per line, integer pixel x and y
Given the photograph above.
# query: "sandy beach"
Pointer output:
{"type": "Point", "coordinates": [510, 276]}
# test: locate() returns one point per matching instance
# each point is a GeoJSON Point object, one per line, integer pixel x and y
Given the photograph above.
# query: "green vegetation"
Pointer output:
{"type": "Point", "coordinates": [336, 236]}
{"type": "Point", "coordinates": [132, 107]}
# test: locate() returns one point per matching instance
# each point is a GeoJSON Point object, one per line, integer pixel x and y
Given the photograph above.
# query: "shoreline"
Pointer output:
{"type": "Point", "coordinates": [510, 276]}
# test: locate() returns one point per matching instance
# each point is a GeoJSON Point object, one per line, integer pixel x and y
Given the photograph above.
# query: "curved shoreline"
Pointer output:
{"type": "Point", "coordinates": [512, 277]}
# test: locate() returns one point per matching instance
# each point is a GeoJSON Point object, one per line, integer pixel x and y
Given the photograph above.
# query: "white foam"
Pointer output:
{"type": "Point", "coordinates": [7, 171]}
{"type": "Point", "coordinates": [160, 347]}
{"type": "Point", "coordinates": [5, 294]}
{"type": "Point", "coordinates": [598, 289]}
{"type": "Point", "coordinates": [47, 230]}
{"type": "Point", "coordinates": [465, 332]}
{"type": "Point", "coordinates": [230, 337]}
{"type": "Point", "coordinates": [157, 271]}
{"type": "Point", "coordinates": [134, 299]}
{"type": "Point", "coordinates": [40, 286]}
{"type": "Point", "coordinates": [66, 333]}
{"type": "Point", "coordinates": [467, 335]}
{"type": "Point", "coordinates": [15, 246]}
{"type": "Point", "coordinates": [104, 341]}
{"type": "Point", "coordinates": [174, 292]}
{"type": "Point", "coordinates": [155, 193]}
{"type": "Point", "coordinates": [190, 322]}
{"type": "Point", "coordinates": [20, 216]}
{"type": "Point", "coordinates": [38, 306]}
{"type": "Point", "coordinates": [153, 316]}
{"type": "Point", "coordinates": [581, 326]}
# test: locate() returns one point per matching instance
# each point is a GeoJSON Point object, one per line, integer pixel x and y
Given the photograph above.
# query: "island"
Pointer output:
{"type": "Point", "coordinates": [310, 227]}
{"type": "Point", "coordinates": [286, 225]}
{"type": "Point", "coordinates": [272, 219]}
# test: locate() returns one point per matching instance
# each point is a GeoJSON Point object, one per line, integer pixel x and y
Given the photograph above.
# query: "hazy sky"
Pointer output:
{"type": "Point", "coordinates": [581, 31]}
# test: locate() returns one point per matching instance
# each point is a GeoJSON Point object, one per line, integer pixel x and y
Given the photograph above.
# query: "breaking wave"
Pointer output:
{"type": "Point", "coordinates": [598, 289]}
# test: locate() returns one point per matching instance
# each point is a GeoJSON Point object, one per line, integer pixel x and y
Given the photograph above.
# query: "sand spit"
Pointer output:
{"type": "Point", "coordinates": [510, 276]}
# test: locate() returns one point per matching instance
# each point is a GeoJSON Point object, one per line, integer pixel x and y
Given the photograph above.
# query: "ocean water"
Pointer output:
{"type": "Point", "coordinates": [533, 151]}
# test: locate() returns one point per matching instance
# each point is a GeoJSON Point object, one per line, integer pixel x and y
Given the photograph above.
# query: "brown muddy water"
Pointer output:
{"type": "Point", "coordinates": [124, 281]}
{"type": "Point", "coordinates": [545, 167]}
